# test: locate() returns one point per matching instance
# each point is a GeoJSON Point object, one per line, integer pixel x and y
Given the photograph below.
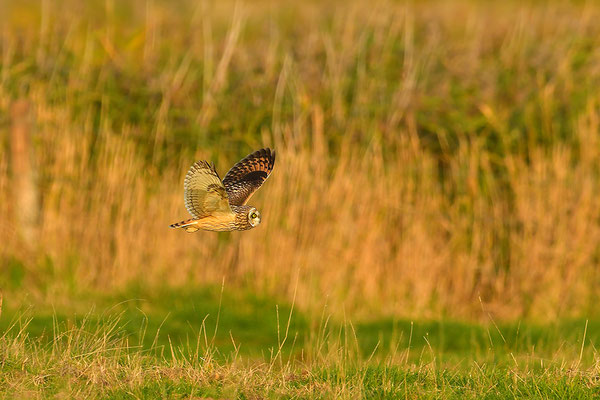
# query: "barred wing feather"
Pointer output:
{"type": "Point", "coordinates": [245, 177]}
{"type": "Point", "coordinates": [204, 193]}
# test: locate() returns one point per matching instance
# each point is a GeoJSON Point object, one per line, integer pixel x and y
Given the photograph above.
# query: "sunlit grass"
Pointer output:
{"type": "Point", "coordinates": [424, 167]}
{"type": "Point", "coordinates": [431, 227]}
{"type": "Point", "coordinates": [223, 343]}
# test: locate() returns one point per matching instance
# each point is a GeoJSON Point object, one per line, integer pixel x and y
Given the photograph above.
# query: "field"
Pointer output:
{"type": "Point", "coordinates": [214, 343]}
{"type": "Point", "coordinates": [430, 230]}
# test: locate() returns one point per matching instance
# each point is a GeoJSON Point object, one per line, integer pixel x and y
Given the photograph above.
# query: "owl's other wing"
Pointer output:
{"type": "Point", "coordinates": [204, 192]}
{"type": "Point", "coordinates": [245, 177]}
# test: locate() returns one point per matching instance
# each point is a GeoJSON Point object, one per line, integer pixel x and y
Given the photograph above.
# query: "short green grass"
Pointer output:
{"type": "Point", "coordinates": [224, 343]}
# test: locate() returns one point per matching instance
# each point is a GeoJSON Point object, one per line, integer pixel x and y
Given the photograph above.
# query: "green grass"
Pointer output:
{"type": "Point", "coordinates": [160, 317]}
{"type": "Point", "coordinates": [164, 316]}
{"type": "Point", "coordinates": [143, 343]}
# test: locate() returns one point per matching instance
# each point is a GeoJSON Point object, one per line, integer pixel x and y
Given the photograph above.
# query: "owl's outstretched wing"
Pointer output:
{"type": "Point", "coordinates": [204, 192]}
{"type": "Point", "coordinates": [245, 177]}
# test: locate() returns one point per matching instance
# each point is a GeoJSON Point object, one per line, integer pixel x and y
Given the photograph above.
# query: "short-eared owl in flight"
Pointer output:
{"type": "Point", "coordinates": [221, 206]}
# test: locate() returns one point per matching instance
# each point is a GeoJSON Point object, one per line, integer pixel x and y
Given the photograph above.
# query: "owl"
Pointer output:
{"type": "Point", "coordinates": [221, 206]}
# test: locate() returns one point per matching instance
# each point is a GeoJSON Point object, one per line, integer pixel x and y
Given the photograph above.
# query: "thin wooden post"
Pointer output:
{"type": "Point", "coordinates": [25, 192]}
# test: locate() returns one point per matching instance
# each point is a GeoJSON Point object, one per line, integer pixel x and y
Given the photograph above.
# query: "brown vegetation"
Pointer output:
{"type": "Point", "coordinates": [424, 166]}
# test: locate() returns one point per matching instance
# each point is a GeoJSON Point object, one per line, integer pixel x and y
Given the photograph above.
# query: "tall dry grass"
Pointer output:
{"type": "Point", "coordinates": [433, 159]}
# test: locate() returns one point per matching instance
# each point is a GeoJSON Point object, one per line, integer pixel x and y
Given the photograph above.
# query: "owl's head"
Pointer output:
{"type": "Point", "coordinates": [254, 217]}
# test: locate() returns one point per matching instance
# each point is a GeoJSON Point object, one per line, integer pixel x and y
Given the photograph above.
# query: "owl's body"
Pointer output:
{"type": "Point", "coordinates": [237, 220]}
{"type": "Point", "coordinates": [217, 205]}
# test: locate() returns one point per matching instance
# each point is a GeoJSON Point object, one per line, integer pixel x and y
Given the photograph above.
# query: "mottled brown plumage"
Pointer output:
{"type": "Point", "coordinates": [221, 206]}
{"type": "Point", "coordinates": [245, 177]}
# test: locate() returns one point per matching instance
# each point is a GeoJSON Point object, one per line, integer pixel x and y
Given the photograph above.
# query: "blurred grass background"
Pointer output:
{"type": "Point", "coordinates": [431, 227]}
{"type": "Point", "coordinates": [433, 158]}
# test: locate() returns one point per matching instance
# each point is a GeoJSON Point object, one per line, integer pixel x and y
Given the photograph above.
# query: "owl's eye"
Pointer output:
{"type": "Point", "coordinates": [253, 215]}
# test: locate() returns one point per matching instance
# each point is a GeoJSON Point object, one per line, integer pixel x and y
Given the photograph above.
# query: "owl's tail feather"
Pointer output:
{"type": "Point", "coordinates": [190, 225]}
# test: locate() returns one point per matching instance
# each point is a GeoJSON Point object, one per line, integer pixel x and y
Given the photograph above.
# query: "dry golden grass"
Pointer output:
{"type": "Point", "coordinates": [425, 167]}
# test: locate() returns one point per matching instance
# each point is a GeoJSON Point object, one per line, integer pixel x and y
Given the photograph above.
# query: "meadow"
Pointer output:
{"type": "Point", "coordinates": [430, 230]}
